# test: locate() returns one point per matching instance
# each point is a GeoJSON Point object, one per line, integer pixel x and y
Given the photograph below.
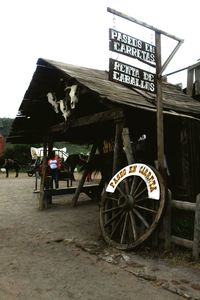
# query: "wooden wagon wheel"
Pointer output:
{"type": "Point", "coordinates": [132, 206]}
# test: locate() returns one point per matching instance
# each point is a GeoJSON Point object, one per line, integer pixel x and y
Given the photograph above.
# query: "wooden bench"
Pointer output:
{"type": "Point", "coordinates": [91, 190]}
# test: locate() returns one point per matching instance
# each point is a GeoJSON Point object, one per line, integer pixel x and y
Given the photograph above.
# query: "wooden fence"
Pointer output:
{"type": "Point", "coordinates": [167, 225]}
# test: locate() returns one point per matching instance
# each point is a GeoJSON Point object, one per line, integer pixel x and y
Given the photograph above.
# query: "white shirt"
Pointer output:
{"type": "Point", "coordinates": [53, 164]}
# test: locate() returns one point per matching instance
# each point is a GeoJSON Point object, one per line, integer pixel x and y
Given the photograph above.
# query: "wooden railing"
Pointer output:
{"type": "Point", "coordinates": [167, 225]}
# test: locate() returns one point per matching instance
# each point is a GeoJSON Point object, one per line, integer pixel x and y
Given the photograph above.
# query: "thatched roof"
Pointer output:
{"type": "Point", "coordinates": [36, 115]}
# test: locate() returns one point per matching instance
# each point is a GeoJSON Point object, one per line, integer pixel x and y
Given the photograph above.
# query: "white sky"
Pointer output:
{"type": "Point", "coordinates": [76, 32]}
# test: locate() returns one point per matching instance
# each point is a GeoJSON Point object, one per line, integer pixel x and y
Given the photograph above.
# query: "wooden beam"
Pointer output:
{"type": "Point", "coordinates": [184, 205]}
{"type": "Point", "coordinates": [101, 117]}
{"type": "Point", "coordinates": [82, 180]}
{"type": "Point", "coordinates": [119, 14]}
{"type": "Point", "coordinates": [167, 222]}
{"type": "Point", "coordinates": [196, 242]}
{"type": "Point", "coordinates": [117, 146]}
{"type": "Point", "coordinates": [170, 57]}
{"type": "Point", "coordinates": [43, 176]}
{"type": "Point", "coordinates": [182, 242]}
{"type": "Point", "coordinates": [194, 66]}
{"type": "Point", "coordinates": [127, 146]}
{"type": "Point", "coordinates": [197, 81]}
{"type": "Point", "coordinates": [160, 130]}
{"type": "Point", "coordinates": [190, 79]}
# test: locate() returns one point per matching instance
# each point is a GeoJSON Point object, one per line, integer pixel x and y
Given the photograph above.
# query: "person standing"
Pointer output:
{"type": "Point", "coordinates": [54, 165]}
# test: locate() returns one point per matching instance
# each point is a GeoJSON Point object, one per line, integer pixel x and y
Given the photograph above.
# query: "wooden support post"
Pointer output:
{"type": "Point", "coordinates": [197, 81]}
{"type": "Point", "coordinates": [43, 176]}
{"type": "Point", "coordinates": [117, 146]}
{"type": "Point", "coordinates": [166, 228]}
{"type": "Point", "coordinates": [160, 131]}
{"type": "Point", "coordinates": [127, 146]}
{"type": "Point", "coordinates": [82, 180]}
{"type": "Point", "coordinates": [190, 79]}
{"type": "Point", "coordinates": [196, 241]}
{"type": "Point", "coordinates": [37, 176]}
{"type": "Point", "coordinates": [50, 148]}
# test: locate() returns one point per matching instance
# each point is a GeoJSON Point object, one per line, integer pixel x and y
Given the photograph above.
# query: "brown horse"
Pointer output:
{"type": "Point", "coordinates": [75, 160]}
{"type": "Point", "coordinates": [11, 164]}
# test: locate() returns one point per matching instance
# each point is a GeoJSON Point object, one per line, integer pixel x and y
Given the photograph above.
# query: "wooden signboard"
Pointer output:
{"type": "Point", "coordinates": [131, 76]}
{"type": "Point", "coordinates": [127, 45]}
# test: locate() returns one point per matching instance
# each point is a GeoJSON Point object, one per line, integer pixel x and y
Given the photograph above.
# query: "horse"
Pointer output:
{"type": "Point", "coordinates": [10, 164]}
{"type": "Point", "coordinates": [100, 163]}
{"type": "Point", "coordinates": [76, 160]}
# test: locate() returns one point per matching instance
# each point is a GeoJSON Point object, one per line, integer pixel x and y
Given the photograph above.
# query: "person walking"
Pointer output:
{"type": "Point", "coordinates": [54, 165]}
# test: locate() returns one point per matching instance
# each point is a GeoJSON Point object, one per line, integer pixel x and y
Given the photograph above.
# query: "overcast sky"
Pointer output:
{"type": "Point", "coordinates": [76, 32]}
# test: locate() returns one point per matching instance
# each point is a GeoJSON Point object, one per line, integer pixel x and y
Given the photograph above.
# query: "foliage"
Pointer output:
{"type": "Point", "coordinates": [5, 126]}
{"type": "Point", "coordinates": [183, 224]}
{"type": "Point", "coordinates": [21, 152]}
{"type": "Point", "coordinates": [71, 148]}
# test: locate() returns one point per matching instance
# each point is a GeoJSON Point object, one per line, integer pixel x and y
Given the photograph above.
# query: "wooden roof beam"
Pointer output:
{"type": "Point", "coordinates": [114, 114]}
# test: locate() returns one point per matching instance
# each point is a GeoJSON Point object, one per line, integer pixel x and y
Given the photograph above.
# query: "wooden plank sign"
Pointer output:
{"type": "Point", "coordinates": [131, 76]}
{"type": "Point", "coordinates": [127, 45]}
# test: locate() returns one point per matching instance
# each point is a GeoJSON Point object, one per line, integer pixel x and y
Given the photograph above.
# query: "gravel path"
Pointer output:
{"type": "Point", "coordinates": [58, 254]}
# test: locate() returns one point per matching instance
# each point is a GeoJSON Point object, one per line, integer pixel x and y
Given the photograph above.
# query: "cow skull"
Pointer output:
{"type": "Point", "coordinates": [63, 108]}
{"type": "Point", "coordinates": [73, 95]}
{"type": "Point", "coordinates": [67, 104]}
{"type": "Point", "coordinates": [53, 101]}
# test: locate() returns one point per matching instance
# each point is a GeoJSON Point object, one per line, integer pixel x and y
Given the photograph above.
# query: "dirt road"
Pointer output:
{"type": "Point", "coordinates": [58, 253]}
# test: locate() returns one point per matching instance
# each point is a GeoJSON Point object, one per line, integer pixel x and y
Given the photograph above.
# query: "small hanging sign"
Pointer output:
{"type": "Point", "coordinates": [131, 76]}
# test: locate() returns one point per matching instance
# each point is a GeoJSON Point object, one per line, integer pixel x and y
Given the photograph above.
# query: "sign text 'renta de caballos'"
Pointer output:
{"type": "Point", "coordinates": [131, 76]}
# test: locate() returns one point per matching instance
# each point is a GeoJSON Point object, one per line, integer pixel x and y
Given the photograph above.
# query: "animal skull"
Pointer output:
{"type": "Point", "coordinates": [53, 101]}
{"type": "Point", "coordinates": [73, 95]}
{"type": "Point", "coordinates": [67, 104]}
{"type": "Point", "coordinates": [63, 108]}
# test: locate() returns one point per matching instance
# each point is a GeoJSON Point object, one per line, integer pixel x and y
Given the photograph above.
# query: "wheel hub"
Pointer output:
{"type": "Point", "coordinates": [129, 202]}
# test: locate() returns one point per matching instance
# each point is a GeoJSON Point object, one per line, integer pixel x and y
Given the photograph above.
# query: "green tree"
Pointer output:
{"type": "Point", "coordinates": [5, 126]}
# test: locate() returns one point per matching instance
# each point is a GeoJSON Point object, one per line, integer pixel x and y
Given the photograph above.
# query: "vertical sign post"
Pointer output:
{"type": "Point", "coordinates": [160, 130]}
{"type": "Point", "coordinates": [159, 70]}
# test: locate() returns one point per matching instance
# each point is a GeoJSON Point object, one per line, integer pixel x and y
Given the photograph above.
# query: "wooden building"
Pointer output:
{"type": "Point", "coordinates": [101, 105]}
{"type": "Point", "coordinates": [80, 105]}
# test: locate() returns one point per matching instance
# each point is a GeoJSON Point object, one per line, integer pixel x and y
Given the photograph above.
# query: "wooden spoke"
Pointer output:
{"type": "Point", "coordinates": [134, 180]}
{"type": "Point", "coordinates": [121, 192]}
{"type": "Point", "coordinates": [117, 225]}
{"type": "Point", "coordinates": [133, 225]}
{"type": "Point", "coordinates": [137, 188]}
{"type": "Point", "coordinates": [113, 218]}
{"type": "Point", "coordinates": [144, 199]}
{"type": "Point", "coordinates": [126, 186]}
{"type": "Point", "coordinates": [112, 198]}
{"type": "Point", "coordinates": [146, 209]}
{"type": "Point", "coordinates": [141, 218]}
{"type": "Point", "coordinates": [140, 193]}
{"type": "Point", "coordinates": [113, 209]}
{"type": "Point", "coordinates": [124, 228]}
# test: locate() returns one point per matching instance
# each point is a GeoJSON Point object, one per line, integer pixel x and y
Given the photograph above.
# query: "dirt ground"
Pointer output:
{"type": "Point", "coordinates": [58, 253]}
